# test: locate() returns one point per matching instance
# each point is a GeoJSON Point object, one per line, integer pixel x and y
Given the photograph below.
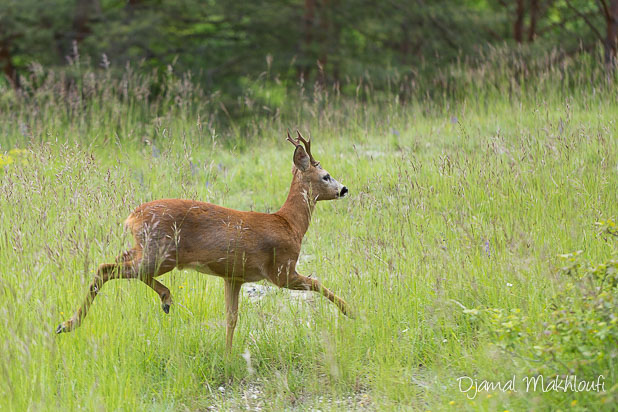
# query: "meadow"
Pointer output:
{"type": "Point", "coordinates": [478, 240]}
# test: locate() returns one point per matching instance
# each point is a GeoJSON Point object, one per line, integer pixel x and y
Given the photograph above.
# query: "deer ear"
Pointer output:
{"type": "Point", "coordinates": [301, 159]}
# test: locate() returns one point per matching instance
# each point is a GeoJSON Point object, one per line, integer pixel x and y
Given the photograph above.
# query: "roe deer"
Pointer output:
{"type": "Point", "coordinates": [238, 246]}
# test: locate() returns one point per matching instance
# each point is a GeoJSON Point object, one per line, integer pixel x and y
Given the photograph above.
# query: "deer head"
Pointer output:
{"type": "Point", "coordinates": [314, 180]}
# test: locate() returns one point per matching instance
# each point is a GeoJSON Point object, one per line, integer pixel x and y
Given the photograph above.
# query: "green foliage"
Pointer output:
{"type": "Point", "coordinates": [578, 336]}
{"type": "Point", "coordinates": [583, 333]}
{"type": "Point", "coordinates": [220, 42]}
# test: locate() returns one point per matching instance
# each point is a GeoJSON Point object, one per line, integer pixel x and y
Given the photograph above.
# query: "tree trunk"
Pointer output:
{"type": "Point", "coordinates": [518, 27]}
{"type": "Point", "coordinates": [534, 14]}
{"type": "Point", "coordinates": [324, 38]}
{"type": "Point", "coordinates": [611, 40]}
{"type": "Point", "coordinates": [85, 11]}
{"type": "Point", "coordinates": [308, 31]}
{"type": "Point", "coordinates": [7, 64]}
{"type": "Point", "coordinates": [337, 38]}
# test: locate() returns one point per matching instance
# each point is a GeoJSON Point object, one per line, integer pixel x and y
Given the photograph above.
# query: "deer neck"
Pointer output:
{"type": "Point", "coordinates": [298, 208]}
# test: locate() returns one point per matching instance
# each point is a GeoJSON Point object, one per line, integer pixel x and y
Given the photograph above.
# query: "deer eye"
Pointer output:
{"type": "Point", "coordinates": [326, 178]}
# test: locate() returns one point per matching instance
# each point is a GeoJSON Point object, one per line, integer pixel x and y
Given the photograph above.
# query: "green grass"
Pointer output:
{"type": "Point", "coordinates": [452, 206]}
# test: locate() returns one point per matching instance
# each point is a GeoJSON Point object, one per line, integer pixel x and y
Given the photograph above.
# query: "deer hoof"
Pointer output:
{"type": "Point", "coordinates": [166, 308]}
{"type": "Point", "coordinates": [67, 326]}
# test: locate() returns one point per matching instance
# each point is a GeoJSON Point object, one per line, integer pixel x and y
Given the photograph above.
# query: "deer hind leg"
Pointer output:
{"type": "Point", "coordinates": [123, 269]}
{"type": "Point", "coordinates": [232, 290]}
{"type": "Point", "coordinates": [299, 282]}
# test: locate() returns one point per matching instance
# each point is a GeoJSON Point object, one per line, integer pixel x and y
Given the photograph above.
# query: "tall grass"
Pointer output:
{"type": "Point", "coordinates": [463, 193]}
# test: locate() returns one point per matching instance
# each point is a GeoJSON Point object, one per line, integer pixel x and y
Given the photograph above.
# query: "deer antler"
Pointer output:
{"type": "Point", "coordinates": [291, 139]}
{"type": "Point", "coordinates": [307, 144]}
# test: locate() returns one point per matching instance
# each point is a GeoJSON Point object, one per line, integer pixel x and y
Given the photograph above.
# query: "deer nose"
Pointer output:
{"type": "Point", "coordinates": [343, 192]}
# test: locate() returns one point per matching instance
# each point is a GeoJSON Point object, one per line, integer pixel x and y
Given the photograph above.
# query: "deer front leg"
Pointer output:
{"type": "Point", "coordinates": [232, 290]}
{"type": "Point", "coordinates": [299, 282]}
{"type": "Point", "coordinates": [162, 290]}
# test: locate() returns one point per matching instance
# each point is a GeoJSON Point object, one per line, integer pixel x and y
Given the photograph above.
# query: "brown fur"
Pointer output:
{"type": "Point", "coordinates": [238, 246]}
